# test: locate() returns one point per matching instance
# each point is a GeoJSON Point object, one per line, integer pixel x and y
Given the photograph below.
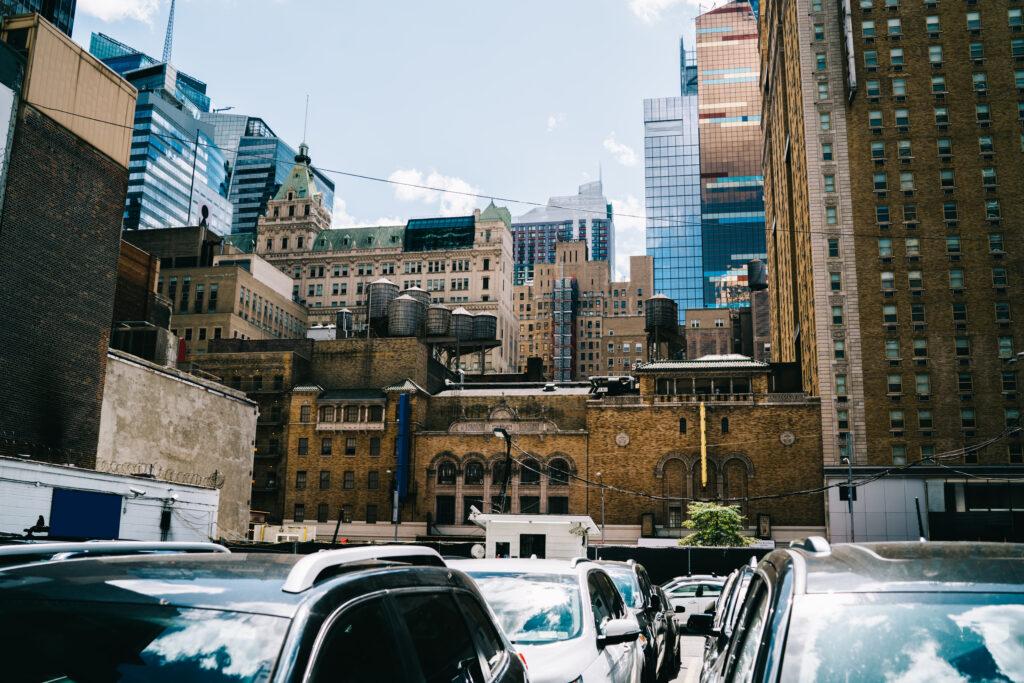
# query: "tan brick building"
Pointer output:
{"type": "Point", "coordinates": [893, 162]}
{"type": "Point", "coordinates": [607, 317]}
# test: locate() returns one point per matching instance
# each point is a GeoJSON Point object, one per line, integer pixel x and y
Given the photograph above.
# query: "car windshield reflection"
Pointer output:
{"type": "Point", "coordinates": [533, 608]}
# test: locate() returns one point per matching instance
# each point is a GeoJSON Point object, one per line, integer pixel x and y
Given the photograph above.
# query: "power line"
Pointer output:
{"type": "Point", "coordinates": [665, 222]}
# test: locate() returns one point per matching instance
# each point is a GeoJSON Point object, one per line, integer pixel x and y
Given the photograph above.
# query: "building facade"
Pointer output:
{"type": "Point", "coordinates": [585, 216]}
{"type": "Point", "coordinates": [892, 163]}
{"type": "Point", "coordinates": [731, 182]}
{"type": "Point", "coordinates": [581, 322]}
{"type": "Point", "coordinates": [60, 13]}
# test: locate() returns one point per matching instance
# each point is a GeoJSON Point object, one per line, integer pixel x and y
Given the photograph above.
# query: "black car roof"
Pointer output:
{"type": "Point", "coordinates": [241, 582]}
{"type": "Point", "coordinates": [912, 567]}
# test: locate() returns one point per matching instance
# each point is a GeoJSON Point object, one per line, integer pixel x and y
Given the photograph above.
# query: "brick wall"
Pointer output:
{"type": "Point", "coordinates": [59, 239]}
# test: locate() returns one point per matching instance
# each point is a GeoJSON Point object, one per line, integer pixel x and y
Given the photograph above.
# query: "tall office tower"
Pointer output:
{"type": "Point", "coordinates": [178, 171]}
{"type": "Point", "coordinates": [259, 162]}
{"type": "Point", "coordinates": [60, 13]}
{"type": "Point", "coordinates": [672, 175]}
{"type": "Point", "coordinates": [892, 147]}
{"type": "Point", "coordinates": [732, 198]}
{"type": "Point", "coordinates": [585, 216]}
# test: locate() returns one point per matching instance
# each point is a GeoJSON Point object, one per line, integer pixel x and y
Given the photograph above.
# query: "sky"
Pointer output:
{"type": "Point", "coordinates": [522, 99]}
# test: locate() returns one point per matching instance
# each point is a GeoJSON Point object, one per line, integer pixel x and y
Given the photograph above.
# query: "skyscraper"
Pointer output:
{"type": "Point", "coordinates": [894, 198]}
{"type": "Point", "coordinates": [259, 162]}
{"type": "Point", "coordinates": [124, 58]}
{"type": "Point", "coordinates": [585, 216]}
{"type": "Point", "coordinates": [60, 13]}
{"type": "Point", "coordinates": [731, 182]}
{"type": "Point", "coordinates": [672, 177]}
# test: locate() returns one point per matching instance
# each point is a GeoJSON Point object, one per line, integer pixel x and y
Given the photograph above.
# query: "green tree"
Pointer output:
{"type": "Point", "coordinates": [715, 525]}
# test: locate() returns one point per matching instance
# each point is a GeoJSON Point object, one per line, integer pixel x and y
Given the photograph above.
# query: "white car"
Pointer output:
{"type": "Point", "coordinates": [565, 617]}
{"type": "Point", "coordinates": [695, 595]}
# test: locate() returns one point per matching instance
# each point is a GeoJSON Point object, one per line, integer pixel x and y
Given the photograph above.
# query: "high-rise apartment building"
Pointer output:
{"type": "Point", "coordinates": [893, 188]}
{"type": "Point", "coordinates": [579, 320]}
{"type": "Point", "coordinates": [731, 183]}
{"type": "Point", "coordinates": [259, 161]}
{"type": "Point", "coordinates": [585, 216]}
{"type": "Point", "coordinates": [60, 13]}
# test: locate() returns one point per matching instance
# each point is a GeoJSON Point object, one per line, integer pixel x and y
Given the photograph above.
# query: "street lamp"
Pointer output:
{"type": "Point", "coordinates": [501, 433]}
{"type": "Point", "coordinates": [600, 480]}
{"type": "Point", "coordinates": [848, 461]}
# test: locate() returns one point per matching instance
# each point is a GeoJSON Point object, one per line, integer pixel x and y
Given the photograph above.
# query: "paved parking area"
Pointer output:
{"type": "Point", "coordinates": [692, 652]}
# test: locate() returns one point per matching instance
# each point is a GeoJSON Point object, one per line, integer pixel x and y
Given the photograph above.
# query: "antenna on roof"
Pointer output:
{"type": "Point", "coordinates": [305, 120]}
{"type": "Point", "coordinates": [169, 36]}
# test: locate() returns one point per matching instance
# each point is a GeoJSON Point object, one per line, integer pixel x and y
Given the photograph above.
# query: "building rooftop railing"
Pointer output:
{"type": "Point", "coordinates": [691, 399]}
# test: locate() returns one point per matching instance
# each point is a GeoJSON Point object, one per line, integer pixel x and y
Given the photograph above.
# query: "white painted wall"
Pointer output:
{"type": "Point", "coordinates": [26, 489]}
{"type": "Point", "coordinates": [884, 511]}
{"type": "Point", "coordinates": [560, 544]}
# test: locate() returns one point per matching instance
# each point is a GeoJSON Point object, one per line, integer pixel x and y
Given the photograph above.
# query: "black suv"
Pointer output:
{"type": "Point", "coordinates": [882, 611]}
{"type": "Point", "coordinates": [359, 615]}
{"type": "Point", "coordinates": [655, 615]}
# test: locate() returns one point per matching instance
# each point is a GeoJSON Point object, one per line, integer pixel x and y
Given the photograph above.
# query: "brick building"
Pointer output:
{"type": "Point", "coordinates": [339, 434]}
{"type": "Point", "coordinates": [603, 328]}
{"type": "Point", "coordinates": [63, 189]}
{"type": "Point", "coordinates": [893, 161]}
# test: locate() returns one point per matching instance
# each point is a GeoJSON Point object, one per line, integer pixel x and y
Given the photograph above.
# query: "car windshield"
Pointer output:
{"type": "Point", "coordinates": [627, 583]}
{"type": "Point", "coordinates": [85, 641]}
{"type": "Point", "coordinates": [935, 637]}
{"type": "Point", "coordinates": [534, 608]}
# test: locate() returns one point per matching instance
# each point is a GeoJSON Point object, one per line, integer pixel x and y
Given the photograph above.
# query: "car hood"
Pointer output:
{"type": "Point", "coordinates": [558, 662]}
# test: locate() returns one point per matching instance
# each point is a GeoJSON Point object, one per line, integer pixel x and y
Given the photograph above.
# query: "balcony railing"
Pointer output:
{"type": "Point", "coordinates": [691, 399]}
{"type": "Point", "coordinates": [350, 426]}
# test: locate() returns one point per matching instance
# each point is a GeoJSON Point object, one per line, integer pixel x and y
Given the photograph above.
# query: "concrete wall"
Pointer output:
{"type": "Point", "coordinates": [884, 510]}
{"type": "Point", "coordinates": [188, 429]}
{"type": "Point", "coordinates": [26, 489]}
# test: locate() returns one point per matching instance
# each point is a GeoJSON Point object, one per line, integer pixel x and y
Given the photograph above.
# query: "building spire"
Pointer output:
{"type": "Point", "coordinates": [169, 36]}
{"type": "Point", "coordinates": [303, 155]}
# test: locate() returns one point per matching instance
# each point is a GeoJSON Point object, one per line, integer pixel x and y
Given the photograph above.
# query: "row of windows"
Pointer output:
{"type": "Point", "coordinates": [968, 419]}
{"type": "Point", "coordinates": [445, 506]}
{"type": "Point", "coordinates": [912, 245]}
{"type": "Point", "coordinates": [905, 150]}
{"type": "Point", "coordinates": [915, 279]}
{"type": "Point", "coordinates": [890, 315]}
{"type": "Point", "coordinates": [932, 23]}
{"type": "Point", "coordinates": [323, 513]}
{"type": "Point", "coordinates": [351, 413]}
{"type": "Point", "coordinates": [950, 214]}
{"type": "Point", "coordinates": [530, 472]}
{"type": "Point", "coordinates": [1014, 452]}
{"type": "Point", "coordinates": [348, 481]}
{"type": "Point", "coordinates": [327, 445]}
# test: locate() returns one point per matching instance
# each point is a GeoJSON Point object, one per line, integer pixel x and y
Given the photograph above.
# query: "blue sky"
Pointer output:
{"type": "Point", "coordinates": [522, 98]}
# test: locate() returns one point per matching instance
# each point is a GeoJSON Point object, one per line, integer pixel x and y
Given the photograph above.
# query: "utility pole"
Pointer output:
{"type": "Point", "coordinates": [395, 517]}
{"type": "Point", "coordinates": [601, 482]}
{"type": "Point", "coordinates": [502, 434]}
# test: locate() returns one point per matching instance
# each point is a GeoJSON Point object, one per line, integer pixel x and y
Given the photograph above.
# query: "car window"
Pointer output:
{"type": "Point", "coordinates": [616, 606]}
{"type": "Point", "coordinates": [687, 591]}
{"type": "Point", "coordinates": [711, 590]}
{"type": "Point", "coordinates": [753, 620]}
{"type": "Point", "coordinates": [534, 608]}
{"type": "Point", "coordinates": [441, 641]}
{"type": "Point", "coordinates": [359, 648]}
{"type": "Point", "coordinates": [481, 625]}
{"type": "Point", "coordinates": [598, 600]}
{"type": "Point", "coordinates": [628, 585]}
{"type": "Point", "coordinates": [645, 580]}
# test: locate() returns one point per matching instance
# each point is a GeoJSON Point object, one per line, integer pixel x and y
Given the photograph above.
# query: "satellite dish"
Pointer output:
{"type": "Point", "coordinates": [478, 551]}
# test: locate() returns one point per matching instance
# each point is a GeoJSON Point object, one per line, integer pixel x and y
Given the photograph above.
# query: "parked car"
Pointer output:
{"type": "Point", "coordinates": [882, 611]}
{"type": "Point", "coordinates": [657, 618]}
{"type": "Point", "coordinates": [671, 583]}
{"type": "Point", "coordinates": [675, 628]}
{"type": "Point", "coordinates": [358, 615]}
{"type": "Point", "coordinates": [723, 617]}
{"type": "Point", "coordinates": [564, 617]}
{"type": "Point", "coordinates": [695, 595]}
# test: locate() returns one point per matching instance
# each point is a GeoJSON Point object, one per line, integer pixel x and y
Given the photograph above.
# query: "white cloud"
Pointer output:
{"type": "Point", "coordinates": [650, 10]}
{"type": "Point", "coordinates": [119, 10]}
{"type": "Point", "coordinates": [624, 154]}
{"type": "Point", "coordinates": [629, 233]}
{"type": "Point", "coordinates": [341, 218]}
{"type": "Point", "coordinates": [555, 120]}
{"type": "Point", "coordinates": [446, 195]}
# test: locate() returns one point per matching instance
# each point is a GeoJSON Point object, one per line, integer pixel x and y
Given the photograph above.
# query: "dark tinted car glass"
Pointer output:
{"type": "Point", "coordinates": [481, 624]}
{"type": "Point", "coordinates": [627, 583]}
{"type": "Point", "coordinates": [86, 642]}
{"type": "Point", "coordinates": [359, 648]}
{"type": "Point", "coordinates": [926, 636]}
{"type": "Point", "coordinates": [440, 637]}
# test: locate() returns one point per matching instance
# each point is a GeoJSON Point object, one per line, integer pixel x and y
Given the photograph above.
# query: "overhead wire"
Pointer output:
{"type": "Point", "coordinates": [662, 222]}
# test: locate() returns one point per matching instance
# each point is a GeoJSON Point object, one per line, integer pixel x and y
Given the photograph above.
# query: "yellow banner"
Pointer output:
{"type": "Point", "coordinates": [703, 448]}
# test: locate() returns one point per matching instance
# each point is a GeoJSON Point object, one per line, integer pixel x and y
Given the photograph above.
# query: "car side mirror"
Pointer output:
{"type": "Point", "coordinates": [618, 631]}
{"type": "Point", "coordinates": [700, 624]}
{"type": "Point", "coordinates": [680, 609]}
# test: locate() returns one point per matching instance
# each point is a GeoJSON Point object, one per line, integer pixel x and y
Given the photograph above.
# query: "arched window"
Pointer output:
{"type": "Point", "coordinates": [529, 473]}
{"type": "Point", "coordinates": [558, 472]}
{"type": "Point", "coordinates": [682, 425]}
{"type": "Point", "coordinates": [725, 425]}
{"type": "Point", "coordinates": [498, 473]}
{"type": "Point", "coordinates": [327, 414]}
{"type": "Point", "coordinates": [446, 473]}
{"type": "Point", "coordinates": [474, 475]}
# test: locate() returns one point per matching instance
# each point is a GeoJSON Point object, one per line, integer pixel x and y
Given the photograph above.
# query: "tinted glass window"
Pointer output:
{"type": "Point", "coordinates": [482, 627]}
{"type": "Point", "coordinates": [753, 618]}
{"type": "Point", "coordinates": [627, 583]}
{"type": "Point", "coordinates": [598, 601]}
{"type": "Point", "coordinates": [79, 641]}
{"type": "Point", "coordinates": [359, 648]}
{"type": "Point", "coordinates": [616, 606]}
{"type": "Point", "coordinates": [937, 636]}
{"type": "Point", "coordinates": [440, 638]}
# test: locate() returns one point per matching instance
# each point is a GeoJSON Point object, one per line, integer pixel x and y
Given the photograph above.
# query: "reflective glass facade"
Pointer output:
{"type": "Point", "coordinates": [731, 181]}
{"type": "Point", "coordinates": [60, 13]}
{"type": "Point", "coordinates": [586, 216]}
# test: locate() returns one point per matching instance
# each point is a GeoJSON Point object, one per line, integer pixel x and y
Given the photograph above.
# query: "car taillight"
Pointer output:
{"type": "Point", "coordinates": [523, 660]}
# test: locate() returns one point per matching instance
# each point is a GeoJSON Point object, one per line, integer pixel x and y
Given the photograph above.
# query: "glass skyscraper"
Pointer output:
{"type": "Point", "coordinates": [732, 184]}
{"type": "Point", "coordinates": [586, 215]}
{"type": "Point", "coordinates": [124, 58]}
{"type": "Point", "coordinates": [260, 162]}
{"type": "Point", "coordinates": [672, 178]}
{"type": "Point", "coordinates": [60, 13]}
